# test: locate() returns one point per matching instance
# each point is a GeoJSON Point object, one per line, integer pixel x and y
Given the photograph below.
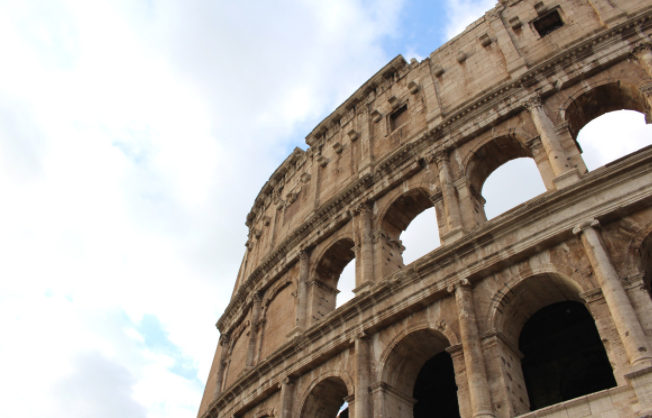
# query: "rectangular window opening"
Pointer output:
{"type": "Point", "coordinates": [548, 23]}
{"type": "Point", "coordinates": [399, 118]}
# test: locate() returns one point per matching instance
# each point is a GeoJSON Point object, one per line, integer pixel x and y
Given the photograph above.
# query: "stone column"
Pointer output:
{"type": "Point", "coordinates": [561, 168]}
{"type": "Point", "coordinates": [287, 396]}
{"type": "Point", "coordinates": [473, 356]}
{"type": "Point", "coordinates": [543, 164]}
{"type": "Point", "coordinates": [366, 248]}
{"type": "Point", "coordinates": [302, 294]}
{"type": "Point", "coordinates": [453, 217]}
{"type": "Point", "coordinates": [620, 307]}
{"type": "Point", "coordinates": [362, 375]}
{"type": "Point", "coordinates": [224, 343]}
{"type": "Point", "coordinates": [253, 331]}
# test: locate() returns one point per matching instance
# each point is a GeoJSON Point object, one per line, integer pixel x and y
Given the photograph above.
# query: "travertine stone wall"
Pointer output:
{"type": "Point", "coordinates": [424, 135]}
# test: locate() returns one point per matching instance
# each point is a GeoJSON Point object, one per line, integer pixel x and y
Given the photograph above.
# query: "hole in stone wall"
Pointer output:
{"type": "Point", "coordinates": [399, 118]}
{"type": "Point", "coordinates": [513, 183]}
{"type": "Point", "coordinates": [612, 136]}
{"type": "Point", "coordinates": [563, 355]}
{"type": "Point", "coordinates": [548, 23]}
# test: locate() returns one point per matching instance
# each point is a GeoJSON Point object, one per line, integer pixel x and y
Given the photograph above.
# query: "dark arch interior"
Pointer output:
{"type": "Point", "coordinates": [603, 99]}
{"type": "Point", "coordinates": [435, 390]}
{"type": "Point", "coordinates": [325, 399]}
{"type": "Point", "coordinates": [563, 355]}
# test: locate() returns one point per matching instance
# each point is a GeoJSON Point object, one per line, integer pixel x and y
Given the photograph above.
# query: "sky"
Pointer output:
{"type": "Point", "coordinates": [134, 138]}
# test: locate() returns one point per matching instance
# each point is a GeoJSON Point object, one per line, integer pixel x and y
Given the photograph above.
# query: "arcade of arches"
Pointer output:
{"type": "Point", "coordinates": [545, 309]}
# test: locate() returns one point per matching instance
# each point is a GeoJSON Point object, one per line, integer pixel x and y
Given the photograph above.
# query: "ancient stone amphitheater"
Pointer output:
{"type": "Point", "coordinates": [544, 310]}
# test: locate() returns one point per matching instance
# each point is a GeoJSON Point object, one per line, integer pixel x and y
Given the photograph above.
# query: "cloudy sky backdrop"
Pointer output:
{"type": "Point", "coordinates": [134, 137]}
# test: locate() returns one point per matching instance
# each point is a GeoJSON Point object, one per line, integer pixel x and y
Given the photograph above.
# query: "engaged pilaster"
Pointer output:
{"type": "Point", "coordinates": [302, 294]}
{"type": "Point", "coordinates": [620, 307]}
{"type": "Point", "coordinates": [255, 316]}
{"type": "Point", "coordinates": [473, 356]}
{"type": "Point", "coordinates": [453, 217]}
{"type": "Point", "coordinates": [287, 395]}
{"type": "Point", "coordinates": [224, 343]}
{"type": "Point", "coordinates": [362, 375]}
{"type": "Point", "coordinates": [565, 175]}
{"type": "Point", "coordinates": [366, 248]}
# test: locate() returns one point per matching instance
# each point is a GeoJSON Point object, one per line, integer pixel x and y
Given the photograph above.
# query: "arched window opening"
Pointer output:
{"type": "Point", "coordinates": [326, 399]}
{"type": "Point", "coordinates": [396, 220]}
{"type": "Point", "coordinates": [435, 389]}
{"type": "Point", "coordinates": [420, 237]}
{"type": "Point", "coordinates": [323, 290]}
{"type": "Point", "coordinates": [346, 284]}
{"type": "Point", "coordinates": [513, 183]}
{"type": "Point", "coordinates": [515, 179]}
{"type": "Point", "coordinates": [563, 355]}
{"type": "Point", "coordinates": [612, 136]}
{"type": "Point", "coordinates": [420, 369]}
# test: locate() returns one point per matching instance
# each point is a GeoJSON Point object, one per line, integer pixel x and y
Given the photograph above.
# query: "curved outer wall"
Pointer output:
{"type": "Point", "coordinates": [427, 134]}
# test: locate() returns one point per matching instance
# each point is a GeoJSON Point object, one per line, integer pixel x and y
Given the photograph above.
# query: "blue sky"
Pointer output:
{"type": "Point", "coordinates": [134, 137]}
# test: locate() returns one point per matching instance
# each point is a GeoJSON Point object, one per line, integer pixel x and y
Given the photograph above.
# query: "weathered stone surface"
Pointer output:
{"type": "Point", "coordinates": [418, 135]}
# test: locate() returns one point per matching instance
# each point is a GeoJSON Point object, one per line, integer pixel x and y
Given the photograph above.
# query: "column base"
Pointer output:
{"type": "Point", "coordinates": [369, 168]}
{"type": "Point", "coordinates": [567, 179]}
{"type": "Point", "coordinates": [363, 287]}
{"type": "Point", "coordinates": [296, 331]}
{"type": "Point", "coordinates": [433, 119]}
{"type": "Point", "coordinates": [641, 381]}
{"type": "Point", "coordinates": [452, 236]}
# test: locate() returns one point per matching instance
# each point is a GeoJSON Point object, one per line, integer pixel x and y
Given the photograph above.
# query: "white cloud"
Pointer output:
{"type": "Point", "coordinates": [133, 140]}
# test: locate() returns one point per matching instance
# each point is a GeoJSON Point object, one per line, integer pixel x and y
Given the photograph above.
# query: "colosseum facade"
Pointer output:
{"type": "Point", "coordinates": [543, 310]}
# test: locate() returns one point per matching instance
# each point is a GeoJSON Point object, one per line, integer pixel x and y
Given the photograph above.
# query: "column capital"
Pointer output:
{"type": "Point", "coordinates": [436, 197]}
{"type": "Point", "coordinates": [441, 155]}
{"type": "Point", "coordinates": [464, 283]}
{"type": "Point", "coordinates": [532, 102]}
{"type": "Point", "coordinates": [379, 234]}
{"type": "Point", "coordinates": [304, 253]}
{"type": "Point", "coordinates": [590, 223]}
{"type": "Point", "coordinates": [365, 207]}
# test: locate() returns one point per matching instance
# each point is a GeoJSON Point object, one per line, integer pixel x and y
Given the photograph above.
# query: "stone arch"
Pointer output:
{"type": "Point", "coordinates": [402, 209]}
{"type": "Point", "coordinates": [559, 281]}
{"type": "Point", "coordinates": [519, 313]}
{"type": "Point", "coordinates": [415, 363]}
{"type": "Point", "coordinates": [422, 338]}
{"type": "Point", "coordinates": [273, 291]}
{"type": "Point", "coordinates": [393, 220]}
{"type": "Point", "coordinates": [488, 155]}
{"type": "Point", "coordinates": [325, 274]}
{"type": "Point", "coordinates": [332, 259]}
{"type": "Point", "coordinates": [325, 395]}
{"type": "Point", "coordinates": [594, 99]}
